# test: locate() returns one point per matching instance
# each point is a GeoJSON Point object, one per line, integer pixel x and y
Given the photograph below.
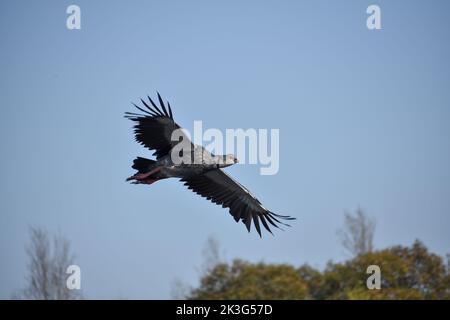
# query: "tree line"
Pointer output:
{"type": "Point", "coordinates": [407, 272]}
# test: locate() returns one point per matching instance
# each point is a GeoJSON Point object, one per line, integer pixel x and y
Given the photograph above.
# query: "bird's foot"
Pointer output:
{"type": "Point", "coordinates": [144, 177]}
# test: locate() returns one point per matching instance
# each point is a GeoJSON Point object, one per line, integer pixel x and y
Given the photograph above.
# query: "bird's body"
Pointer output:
{"type": "Point", "coordinates": [200, 170]}
{"type": "Point", "coordinates": [167, 168]}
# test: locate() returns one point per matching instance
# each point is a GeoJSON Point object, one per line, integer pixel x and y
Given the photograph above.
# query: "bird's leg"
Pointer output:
{"type": "Point", "coordinates": [144, 177]}
{"type": "Point", "coordinates": [148, 181]}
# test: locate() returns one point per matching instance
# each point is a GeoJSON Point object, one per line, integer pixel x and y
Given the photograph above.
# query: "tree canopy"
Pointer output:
{"type": "Point", "coordinates": [406, 273]}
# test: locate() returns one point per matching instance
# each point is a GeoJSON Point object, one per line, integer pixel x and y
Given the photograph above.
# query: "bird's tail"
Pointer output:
{"type": "Point", "coordinates": [146, 170]}
{"type": "Point", "coordinates": [143, 165]}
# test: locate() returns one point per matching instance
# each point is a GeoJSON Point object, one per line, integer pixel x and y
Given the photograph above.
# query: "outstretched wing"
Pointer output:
{"type": "Point", "coordinates": [220, 188]}
{"type": "Point", "coordinates": [155, 126]}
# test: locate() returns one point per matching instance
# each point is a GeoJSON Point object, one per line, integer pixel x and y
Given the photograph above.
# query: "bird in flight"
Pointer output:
{"type": "Point", "coordinates": [200, 170]}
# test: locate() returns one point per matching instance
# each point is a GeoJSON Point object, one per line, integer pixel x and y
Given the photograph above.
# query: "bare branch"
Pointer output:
{"type": "Point", "coordinates": [46, 269]}
{"type": "Point", "coordinates": [357, 233]}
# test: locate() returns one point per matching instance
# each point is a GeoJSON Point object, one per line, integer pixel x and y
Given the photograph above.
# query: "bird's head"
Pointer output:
{"type": "Point", "coordinates": [228, 160]}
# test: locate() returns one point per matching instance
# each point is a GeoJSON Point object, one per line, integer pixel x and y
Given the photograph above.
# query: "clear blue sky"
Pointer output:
{"type": "Point", "coordinates": [363, 118]}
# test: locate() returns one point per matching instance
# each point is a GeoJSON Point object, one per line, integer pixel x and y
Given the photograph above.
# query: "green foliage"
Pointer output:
{"type": "Point", "coordinates": [406, 273]}
{"type": "Point", "coordinates": [243, 280]}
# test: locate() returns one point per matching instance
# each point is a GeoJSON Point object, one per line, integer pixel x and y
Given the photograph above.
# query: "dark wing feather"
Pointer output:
{"type": "Point", "coordinates": [220, 188]}
{"type": "Point", "coordinates": [155, 126]}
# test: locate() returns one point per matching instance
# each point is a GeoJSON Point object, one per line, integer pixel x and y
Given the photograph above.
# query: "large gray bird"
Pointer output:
{"type": "Point", "coordinates": [203, 172]}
